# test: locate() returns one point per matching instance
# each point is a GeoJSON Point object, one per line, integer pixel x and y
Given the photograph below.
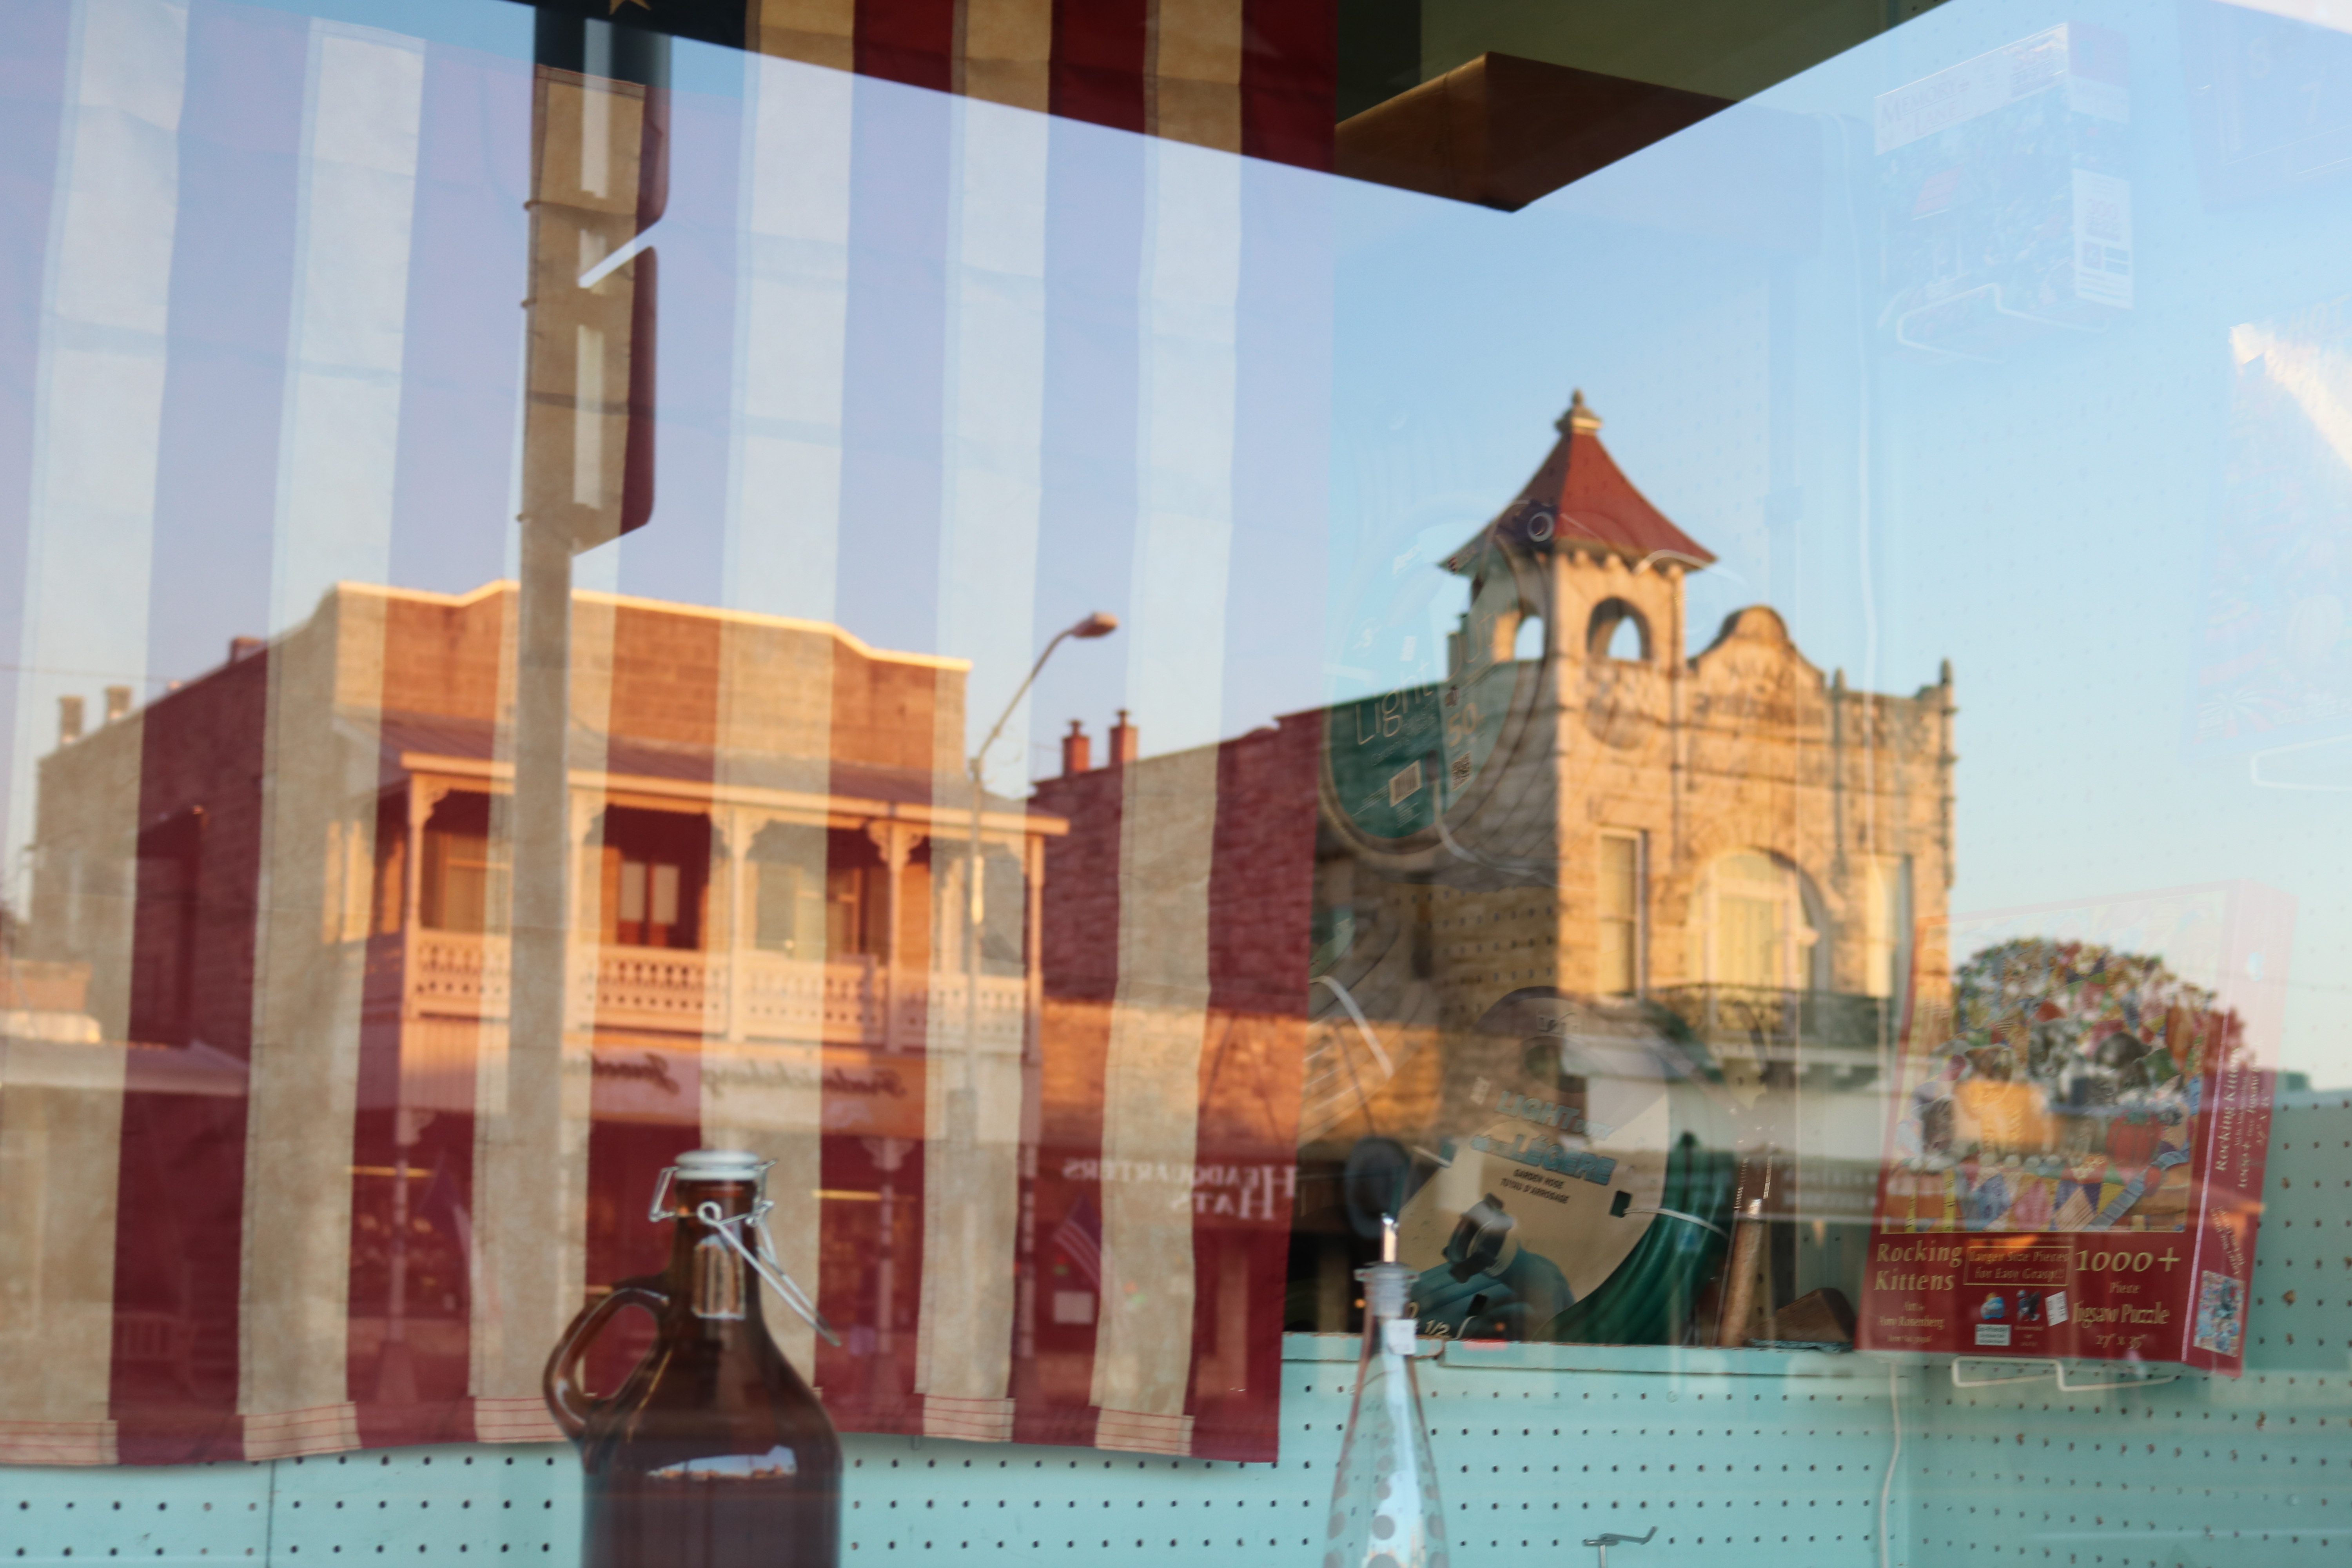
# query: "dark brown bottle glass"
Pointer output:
{"type": "Point", "coordinates": [713, 1453]}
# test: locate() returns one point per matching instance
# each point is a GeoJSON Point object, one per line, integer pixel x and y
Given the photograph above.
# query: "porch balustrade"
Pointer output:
{"type": "Point", "coordinates": [746, 995]}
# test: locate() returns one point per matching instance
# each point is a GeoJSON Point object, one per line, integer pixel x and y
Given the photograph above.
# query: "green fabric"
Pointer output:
{"type": "Point", "coordinates": [1649, 1298]}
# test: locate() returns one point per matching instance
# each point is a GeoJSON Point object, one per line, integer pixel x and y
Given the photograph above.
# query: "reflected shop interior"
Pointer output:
{"type": "Point", "coordinates": [1401, 781]}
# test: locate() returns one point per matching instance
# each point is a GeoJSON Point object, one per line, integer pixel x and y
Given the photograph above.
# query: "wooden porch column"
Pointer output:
{"type": "Point", "coordinates": [734, 824]}
{"type": "Point", "coordinates": [1032, 965]}
{"type": "Point", "coordinates": [897, 842]}
{"type": "Point", "coordinates": [412, 894]}
{"type": "Point", "coordinates": [584, 936]}
{"type": "Point", "coordinates": [423, 797]}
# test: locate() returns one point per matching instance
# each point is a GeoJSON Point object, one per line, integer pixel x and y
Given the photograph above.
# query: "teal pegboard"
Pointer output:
{"type": "Point", "coordinates": [1539, 1449]}
{"type": "Point", "coordinates": [2195, 1473]}
{"type": "Point", "coordinates": [187, 1513]}
{"type": "Point", "coordinates": [428, 1503]}
{"type": "Point", "coordinates": [1738, 1458]}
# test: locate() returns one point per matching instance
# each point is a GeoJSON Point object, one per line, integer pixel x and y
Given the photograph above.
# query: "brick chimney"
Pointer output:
{"type": "Point", "coordinates": [244, 647]}
{"type": "Point", "coordinates": [1123, 741]}
{"type": "Point", "coordinates": [1078, 751]}
{"type": "Point", "coordinates": [117, 702]}
{"type": "Point", "coordinates": [69, 720]}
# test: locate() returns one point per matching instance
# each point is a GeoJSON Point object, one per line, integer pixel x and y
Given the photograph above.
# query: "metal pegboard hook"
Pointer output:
{"type": "Point", "coordinates": [2040, 1372]}
{"type": "Point", "coordinates": [2056, 1369]}
{"type": "Point", "coordinates": [1612, 1539]}
{"type": "Point", "coordinates": [2060, 1368]}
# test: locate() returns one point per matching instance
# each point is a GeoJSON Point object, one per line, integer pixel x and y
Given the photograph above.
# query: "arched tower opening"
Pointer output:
{"type": "Point", "coordinates": [1617, 630]}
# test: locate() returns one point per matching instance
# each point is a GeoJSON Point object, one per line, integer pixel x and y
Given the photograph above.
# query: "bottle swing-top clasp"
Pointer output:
{"type": "Point", "coordinates": [761, 1261]}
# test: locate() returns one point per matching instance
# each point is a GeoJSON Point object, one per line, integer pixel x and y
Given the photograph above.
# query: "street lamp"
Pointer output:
{"type": "Point", "coordinates": [1098, 624]}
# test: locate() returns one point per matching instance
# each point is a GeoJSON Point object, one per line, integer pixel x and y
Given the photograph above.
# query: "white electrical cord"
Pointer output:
{"type": "Point", "coordinates": [1886, 1485]}
{"type": "Point", "coordinates": [1363, 1025]}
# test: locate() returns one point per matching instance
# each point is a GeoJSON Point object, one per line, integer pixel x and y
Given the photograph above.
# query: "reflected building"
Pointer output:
{"type": "Point", "coordinates": [1197, 984]}
{"type": "Point", "coordinates": [1730, 843]}
{"type": "Point", "coordinates": [1731, 826]}
{"type": "Point", "coordinates": [770, 837]}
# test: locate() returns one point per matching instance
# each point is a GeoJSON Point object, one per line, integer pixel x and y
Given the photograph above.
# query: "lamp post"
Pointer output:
{"type": "Point", "coordinates": [1098, 624]}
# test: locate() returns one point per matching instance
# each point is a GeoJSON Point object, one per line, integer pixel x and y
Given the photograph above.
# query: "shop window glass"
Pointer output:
{"type": "Point", "coordinates": [1756, 926]}
{"type": "Point", "coordinates": [657, 870]}
{"type": "Point", "coordinates": [465, 884]}
{"type": "Point", "coordinates": [1697, 663]}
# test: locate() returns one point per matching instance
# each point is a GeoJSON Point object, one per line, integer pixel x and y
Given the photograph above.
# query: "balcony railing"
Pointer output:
{"type": "Point", "coordinates": [1777, 1020]}
{"type": "Point", "coordinates": [719, 996]}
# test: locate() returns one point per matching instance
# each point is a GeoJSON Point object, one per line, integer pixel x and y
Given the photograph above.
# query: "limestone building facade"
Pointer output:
{"type": "Point", "coordinates": [1572, 806]}
{"type": "Point", "coordinates": [1732, 831]}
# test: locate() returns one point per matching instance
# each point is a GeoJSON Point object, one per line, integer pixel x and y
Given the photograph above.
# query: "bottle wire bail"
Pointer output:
{"type": "Point", "coordinates": [764, 1261]}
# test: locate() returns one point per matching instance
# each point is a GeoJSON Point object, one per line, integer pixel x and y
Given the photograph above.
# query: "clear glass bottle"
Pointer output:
{"type": "Point", "coordinates": [714, 1453]}
{"type": "Point", "coordinates": [1385, 1510]}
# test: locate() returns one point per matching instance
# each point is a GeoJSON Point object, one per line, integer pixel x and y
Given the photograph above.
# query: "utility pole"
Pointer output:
{"type": "Point", "coordinates": [600, 152]}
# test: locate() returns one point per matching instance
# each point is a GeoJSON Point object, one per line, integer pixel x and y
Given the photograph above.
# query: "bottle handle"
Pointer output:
{"type": "Point", "coordinates": [567, 1399]}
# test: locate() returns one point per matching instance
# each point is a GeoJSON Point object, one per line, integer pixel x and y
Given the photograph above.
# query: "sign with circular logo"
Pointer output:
{"type": "Point", "coordinates": [1404, 766]}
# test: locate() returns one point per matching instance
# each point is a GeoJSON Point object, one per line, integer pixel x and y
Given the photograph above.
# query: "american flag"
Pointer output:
{"type": "Point", "coordinates": [964, 331]}
{"type": "Point", "coordinates": [1079, 1238]}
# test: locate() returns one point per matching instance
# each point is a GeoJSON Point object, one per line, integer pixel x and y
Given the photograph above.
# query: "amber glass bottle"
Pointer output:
{"type": "Point", "coordinates": [713, 1453]}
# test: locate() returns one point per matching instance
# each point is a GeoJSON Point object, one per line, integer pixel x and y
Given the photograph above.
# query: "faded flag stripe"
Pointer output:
{"type": "Point", "coordinates": [1079, 965]}
{"type": "Point", "coordinates": [1261, 898]}
{"type": "Point", "coordinates": [103, 363]}
{"type": "Point", "coordinates": [356, 192]}
{"type": "Point", "coordinates": [414, 1199]}
{"type": "Point", "coordinates": [987, 576]}
{"type": "Point", "coordinates": [1004, 52]}
{"type": "Point", "coordinates": [1192, 73]}
{"type": "Point", "coordinates": [930, 368]}
{"type": "Point", "coordinates": [1190, 284]}
{"type": "Point", "coordinates": [1261, 895]}
{"type": "Point", "coordinates": [782, 543]}
{"type": "Point", "coordinates": [45, 1113]}
{"type": "Point", "coordinates": [1098, 61]}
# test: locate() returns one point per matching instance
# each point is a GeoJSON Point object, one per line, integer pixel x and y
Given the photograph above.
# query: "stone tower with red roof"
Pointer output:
{"type": "Point", "coordinates": [1687, 792]}
{"type": "Point", "coordinates": [1732, 832]}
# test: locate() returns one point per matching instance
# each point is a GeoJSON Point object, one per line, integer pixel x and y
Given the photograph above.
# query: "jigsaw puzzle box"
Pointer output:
{"type": "Point", "coordinates": [2074, 1156]}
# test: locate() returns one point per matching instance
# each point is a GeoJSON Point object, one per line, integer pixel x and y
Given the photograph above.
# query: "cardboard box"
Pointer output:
{"type": "Point", "coordinates": [2005, 195]}
{"type": "Point", "coordinates": [2074, 1155]}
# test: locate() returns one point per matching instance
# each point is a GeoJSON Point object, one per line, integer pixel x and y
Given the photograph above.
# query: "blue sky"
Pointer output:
{"type": "Point", "coordinates": [1393, 363]}
{"type": "Point", "coordinates": [2047, 522]}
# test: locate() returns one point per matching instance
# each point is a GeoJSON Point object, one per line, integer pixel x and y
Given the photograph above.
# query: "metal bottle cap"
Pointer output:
{"type": "Point", "coordinates": [719, 1165]}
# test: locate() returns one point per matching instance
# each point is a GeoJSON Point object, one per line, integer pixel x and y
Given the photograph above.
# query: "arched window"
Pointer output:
{"type": "Point", "coordinates": [1528, 642]}
{"type": "Point", "coordinates": [1756, 922]}
{"type": "Point", "coordinates": [1617, 631]}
